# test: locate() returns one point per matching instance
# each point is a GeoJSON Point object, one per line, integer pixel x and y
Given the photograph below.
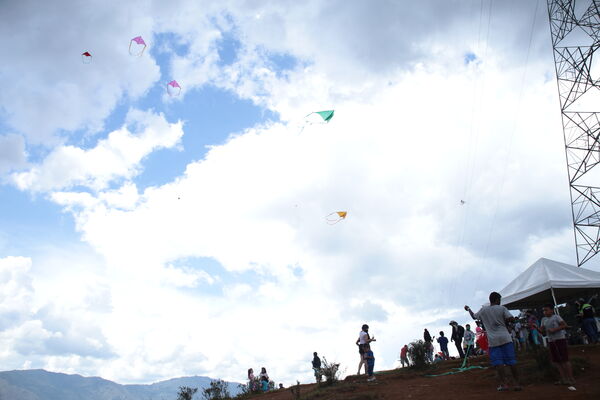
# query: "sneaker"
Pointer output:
{"type": "Point", "coordinates": [371, 379]}
{"type": "Point", "coordinates": [502, 388]}
{"type": "Point", "coordinates": [572, 388]}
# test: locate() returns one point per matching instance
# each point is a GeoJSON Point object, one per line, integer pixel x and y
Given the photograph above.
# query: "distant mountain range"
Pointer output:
{"type": "Point", "coordinates": [38, 384]}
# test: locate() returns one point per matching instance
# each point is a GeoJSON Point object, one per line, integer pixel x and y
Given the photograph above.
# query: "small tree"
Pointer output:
{"type": "Point", "coordinates": [186, 393]}
{"type": "Point", "coordinates": [417, 353]}
{"type": "Point", "coordinates": [331, 371]}
{"type": "Point", "coordinates": [217, 390]}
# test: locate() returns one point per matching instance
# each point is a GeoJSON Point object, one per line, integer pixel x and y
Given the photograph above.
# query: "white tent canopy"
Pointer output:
{"type": "Point", "coordinates": [537, 284]}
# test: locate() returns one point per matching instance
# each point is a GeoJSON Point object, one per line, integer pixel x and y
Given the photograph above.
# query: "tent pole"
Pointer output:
{"type": "Point", "coordinates": [555, 303]}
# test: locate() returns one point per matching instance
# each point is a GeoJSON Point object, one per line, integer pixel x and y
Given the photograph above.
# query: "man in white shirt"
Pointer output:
{"type": "Point", "coordinates": [502, 351]}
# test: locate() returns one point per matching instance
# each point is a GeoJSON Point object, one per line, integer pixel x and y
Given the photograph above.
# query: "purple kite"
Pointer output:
{"type": "Point", "coordinates": [86, 57]}
{"type": "Point", "coordinates": [137, 46]}
{"type": "Point", "coordinates": [173, 88]}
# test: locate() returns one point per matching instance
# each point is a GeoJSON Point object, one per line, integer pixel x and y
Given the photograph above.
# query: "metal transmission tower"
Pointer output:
{"type": "Point", "coordinates": [575, 30]}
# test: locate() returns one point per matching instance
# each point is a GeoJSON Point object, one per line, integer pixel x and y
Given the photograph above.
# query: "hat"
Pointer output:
{"type": "Point", "coordinates": [452, 323]}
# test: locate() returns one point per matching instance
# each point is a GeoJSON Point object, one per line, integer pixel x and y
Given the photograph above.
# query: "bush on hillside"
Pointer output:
{"type": "Point", "coordinates": [417, 354]}
{"type": "Point", "coordinates": [186, 393]}
{"type": "Point", "coordinates": [217, 390]}
{"type": "Point", "coordinates": [331, 371]}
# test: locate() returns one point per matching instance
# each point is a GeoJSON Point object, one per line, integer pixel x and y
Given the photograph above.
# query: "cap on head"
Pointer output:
{"type": "Point", "coordinates": [452, 323]}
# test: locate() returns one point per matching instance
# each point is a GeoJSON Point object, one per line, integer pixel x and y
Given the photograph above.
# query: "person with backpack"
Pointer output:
{"type": "Point", "coordinates": [588, 320]}
{"type": "Point", "coordinates": [316, 364]}
{"type": "Point", "coordinates": [458, 332]}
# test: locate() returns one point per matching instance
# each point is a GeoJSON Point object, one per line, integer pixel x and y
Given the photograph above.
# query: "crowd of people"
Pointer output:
{"type": "Point", "coordinates": [497, 334]}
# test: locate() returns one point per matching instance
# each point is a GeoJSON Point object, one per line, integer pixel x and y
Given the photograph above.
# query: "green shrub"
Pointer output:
{"type": "Point", "coordinates": [417, 354]}
{"type": "Point", "coordinates": [217, 390]}
{"type": "Point", "coordinates": [331, 371]}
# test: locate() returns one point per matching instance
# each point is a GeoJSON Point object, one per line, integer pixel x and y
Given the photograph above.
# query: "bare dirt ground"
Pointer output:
{"type": "Point", "coordinates": [473, 384]}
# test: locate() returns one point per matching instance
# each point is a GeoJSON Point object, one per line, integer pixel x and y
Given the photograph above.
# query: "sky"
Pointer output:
{"type": "Point", "coordinates": [145, 236]}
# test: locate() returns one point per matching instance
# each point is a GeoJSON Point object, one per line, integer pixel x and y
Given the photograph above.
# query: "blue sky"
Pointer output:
{"type": "Point", "coordinates": [126, 211]}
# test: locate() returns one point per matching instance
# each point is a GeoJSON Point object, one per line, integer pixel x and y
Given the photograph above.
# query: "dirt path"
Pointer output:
{"type": "Point", "coordinates": [473, 384]}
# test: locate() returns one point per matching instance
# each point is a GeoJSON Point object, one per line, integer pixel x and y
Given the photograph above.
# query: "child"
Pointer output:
{"type": "Point", "coordinates": [264, 380]}
{"type": "Point", "coordinates": [469, 340]}
{"type": "Point", "coordinates": [553, 326]}
{"type": "Point", "coordinates": [370, 360]}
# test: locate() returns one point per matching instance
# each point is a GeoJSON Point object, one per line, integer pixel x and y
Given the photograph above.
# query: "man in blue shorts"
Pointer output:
{"type": "Point", "coordinates": [502, 351]}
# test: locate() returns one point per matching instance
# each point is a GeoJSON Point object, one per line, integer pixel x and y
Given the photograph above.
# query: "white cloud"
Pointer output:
{"type": "Point", "coordinates": [395, 162]}
{"type": "Point", "coordinates": [116, 157]}
{"type": "Point", "coordinates": [415, 132]}
{"type": "Point", "coordinates": [12, 152]}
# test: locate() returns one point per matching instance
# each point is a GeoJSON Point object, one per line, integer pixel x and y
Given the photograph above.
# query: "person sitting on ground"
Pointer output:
{"type": "Point", "coordinates": [316, 364]}
{"type": "Point", "coordinates": [457, 337]}
{"type": "Point", "coordinates": [502, 352]}
{"type": "Point", "coordinates": [443, 341]}
{"type": "Point", "coordinates": [438, 357]}
{"type": "Point", "coordinates": [469, 340]}
{"type": "Point", "coordinates": [281, 386]}
{"type": "Point", "coordinates": [264, 380]}
{"type": "Point", "coordinates": [370, 360]}
{"type": "Point", "coordinates": [553, 326]}
{"type": "Point", "coordinates": [404, 356]}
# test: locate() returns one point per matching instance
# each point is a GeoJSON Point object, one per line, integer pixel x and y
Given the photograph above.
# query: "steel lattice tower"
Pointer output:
{"type": "Point", "coordinates": [575, 39]}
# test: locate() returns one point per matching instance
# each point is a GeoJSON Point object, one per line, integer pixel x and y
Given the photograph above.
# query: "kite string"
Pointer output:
{"type": "Point", "coordinates": [510, 142]}
{"type": "Point", "coordinates": [470, 161]}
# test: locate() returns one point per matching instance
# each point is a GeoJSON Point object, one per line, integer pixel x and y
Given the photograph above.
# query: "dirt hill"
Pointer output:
{"type": "Point", "coordinates": [473, 384]}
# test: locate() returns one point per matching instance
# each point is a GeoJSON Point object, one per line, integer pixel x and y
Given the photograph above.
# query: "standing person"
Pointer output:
{"type": "Point", "coordinates": [251, 382]}
{"type": "Point", "coordinates": [457, 337]}
{"type": "Point", "coordinates": [370, 360]}
{"type": "Point", "coordinates": [502, 351]}
{"type": "Point", "coordinates": [553, 326]}
{"type": "Point", "coordinates": [264, 380]}
{"type": "Point", "coordinates": [588, 320]}
{"type": "Point", "coordinates": [363, 340]}
{"type": "Point", "coordinates": [523, 334]}
{"type": "Point", "coordinates": [532, 324]}
{"type": "Point", "coordinates": [428, 345]}
{"type": "Point", "coordinates": [516, 333]}
{"type": "Point", "coordinates": [404, 356]}
{"type": "Point", "coordinates": [469, 340]}
{"type": "Point", "coordinates": [426, 336]}
{"type": "Point", "coordinates": [316, 364]}
{"type": "Point", "coordinates": [443, 341]}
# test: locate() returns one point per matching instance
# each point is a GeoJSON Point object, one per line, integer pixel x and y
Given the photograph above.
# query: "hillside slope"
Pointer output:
{"type": "Point", "coordinates": [470, 385]}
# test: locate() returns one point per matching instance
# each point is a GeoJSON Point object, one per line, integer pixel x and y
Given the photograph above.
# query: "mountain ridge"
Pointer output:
{"type": "Point", "coordinates": [39, 384]}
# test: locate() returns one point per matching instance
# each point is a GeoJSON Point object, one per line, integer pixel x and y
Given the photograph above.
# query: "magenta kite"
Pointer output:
{"type": "Point", "coordinates": [137, 46]}
{"type": "Point", "coordinates": [173, 88]}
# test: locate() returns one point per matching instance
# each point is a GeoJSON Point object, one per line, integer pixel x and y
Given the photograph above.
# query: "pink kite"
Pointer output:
{"type": "Point", "coordinates": [86, 57]}
{"type": "Point", "coordinates": [137, 46]}
{"type": "Point", "coordinates": [173, 88]}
